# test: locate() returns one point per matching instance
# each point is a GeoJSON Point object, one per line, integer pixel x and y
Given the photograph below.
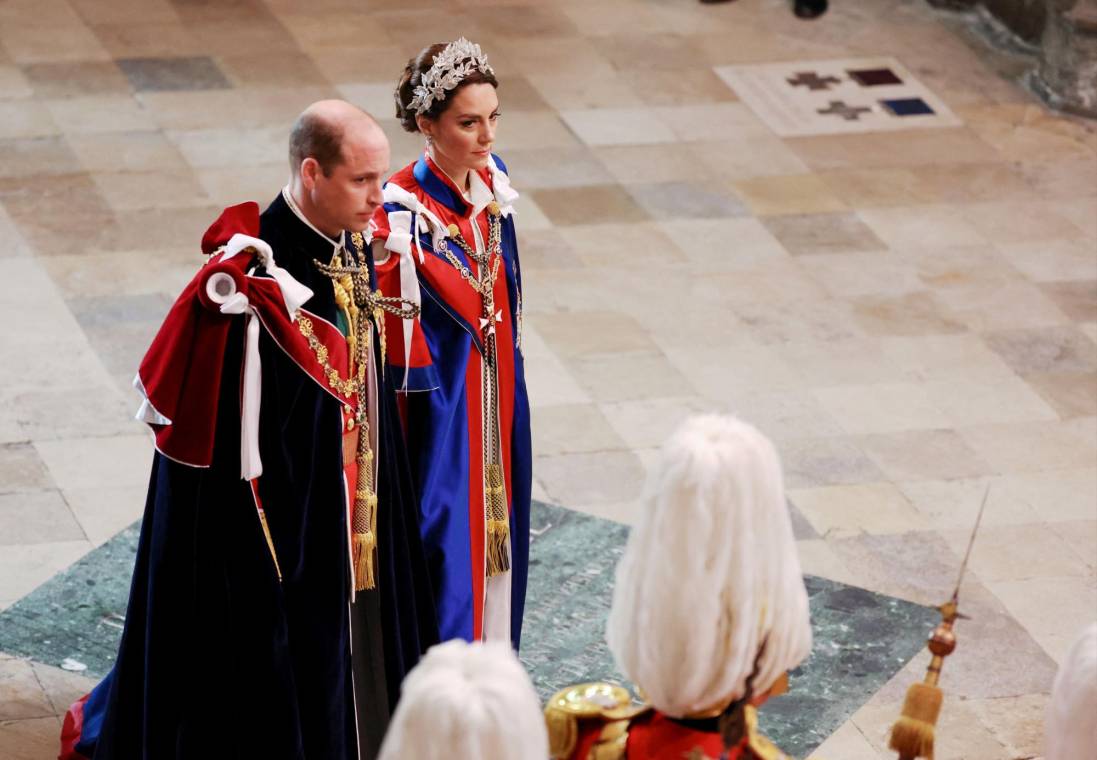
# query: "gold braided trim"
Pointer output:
{"type": "Point", "coordinates": [347, 387]}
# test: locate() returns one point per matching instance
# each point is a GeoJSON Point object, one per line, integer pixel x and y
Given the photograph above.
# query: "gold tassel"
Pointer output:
{"type": "Point", "coordinates": [498, 519]}
{"type": "Point", "coordinates": [364, 544]}
{"type": "Point", "coordinates": [270, 543]}
{"type": "Point", "coordinates": [912, 734]}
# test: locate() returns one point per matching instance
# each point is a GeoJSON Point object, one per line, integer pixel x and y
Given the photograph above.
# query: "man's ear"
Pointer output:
{"type": "Point", "coordinates": [310, 169]}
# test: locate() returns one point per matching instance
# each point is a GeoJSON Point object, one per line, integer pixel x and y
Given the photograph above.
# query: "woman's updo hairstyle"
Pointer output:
{"type": "Point", "coordinates": [413, 77]}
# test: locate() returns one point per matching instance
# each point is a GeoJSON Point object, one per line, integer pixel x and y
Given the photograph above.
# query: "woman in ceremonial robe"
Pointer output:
{"type": "Point", "coordinates": [445, 239]}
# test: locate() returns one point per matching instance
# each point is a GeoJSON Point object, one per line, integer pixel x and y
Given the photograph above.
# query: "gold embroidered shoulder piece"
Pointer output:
{"type": "Point", "coordinates": [606, 702]}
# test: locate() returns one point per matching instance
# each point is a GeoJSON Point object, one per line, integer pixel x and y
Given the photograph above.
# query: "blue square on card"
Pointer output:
{"type": "Point", "coordinates": [907, 107]}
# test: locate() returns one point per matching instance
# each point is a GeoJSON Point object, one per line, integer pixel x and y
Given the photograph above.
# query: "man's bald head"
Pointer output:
{"type": "Point", "coordinates": [322, 129]}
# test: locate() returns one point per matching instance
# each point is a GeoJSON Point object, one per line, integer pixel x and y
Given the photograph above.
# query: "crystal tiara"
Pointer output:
{"type": "Point", "coordinates": [450, 67]}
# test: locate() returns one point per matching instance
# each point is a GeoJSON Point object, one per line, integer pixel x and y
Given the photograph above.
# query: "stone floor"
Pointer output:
{"type": "Point", "coordinates": [911, 315]}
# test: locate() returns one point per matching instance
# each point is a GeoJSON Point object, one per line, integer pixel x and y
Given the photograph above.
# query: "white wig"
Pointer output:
{"type": "Point", "coordinates": [1071, 730]}
{"type": "Point", "coordinates": [467, 702]}
{"type": "Point", "coordinates": [710, 573]}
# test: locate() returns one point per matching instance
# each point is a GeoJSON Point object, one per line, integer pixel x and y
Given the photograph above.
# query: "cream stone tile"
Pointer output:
{"type": "Point", "coordinates": [618, 126]}
{"type": "Point", "coordinates": [720, 377]}
{"type": "Point", "coordinates": [1009, 306]}
{"type": "Point", "coordinates": [917, 454]}
{"type": "Point", "coordinates": [881, 150]}
{"type": "Point", "coordinates": [125, 151]}
{"type": "Point", "coordinates": [958, 267]}
{"type": "Point", "coordinates": [1033, 446]}
{"type": "Point", "coordinates": [12, 242]}
{"type": "Point", "coordinates": [928, 225]}
{"type": "Point", "coordinates": [869, 188]}
{"type": "Point", "coordinates": [597, 87]}
{"type": "Point", "coordinates": [22, 471]}
{"type": "Point", "coordinates": [1075, 298]}
{"type": "Point", "coordinates": [618, 244]}
{"type": "Point", "coordinates": [24, 567]}
{"type": "Point", "coordinates": [35, 517]}
{"type": "Point", "coordinates": [103, 511]}
{"type": "Point", "coordinates": [1066, 180]}
{"type": "Point", "coordinates": [43, 43]}
{"type": "Point", "coordinates": [22, 13]}
{"type": "Point", "coordinates": [958, 734]}
{"type": "Point", "coordinates": [881, 408]}
{"type": "Point", "coordinates": [968, 403]}
{"type": "Point", "coordinates": [591, 478]}
{"type": "Point", "coordinates": [23, 695]}
{"type": "Point", "coordinates": [1016, 722]}
{"type": "Point", "coordinates": [832, 460]}
{"type": "Point", "coordinates": [76, 463]}
{"type": "Point", "coordinates": [944, 358]}
{"type": "Point", "coordinates": [1058, 495]}
{"type": "Point", "coordinates": [784, 318]}
{"type": "Point", "coordinates": [819, 559]}
{"type": "Point", "coordinates": [1057, 350]}
{"type": "Point", "coordinates": [954, 504]}
{"type": "Point", "coordinates": [530, 215]}
{"type": "Point", "coordinates": [1052, 609]}
{"type": "Point", "coordinates": [106, 274]}
{"type": "Point", "coordinates": [630, 164]}
{"type": "Point", "coordinates": [849, 510]}
{"type": "Point", "coordinates": [863, 274]}
{"type": "Point", "coordinates": [954, 183]}
{"type": "Point", "coordinates": [134, 191]}
{"type": "Point", "coordinates": [1017, 553]}
{"type": "Point", "coordinates": [648, 423]}
{"type": "Point", "coordinates": [1018, 222]}
{"type": "Point", "coordinates": [61, 687]}
{"type": "Point", "coordinates": [784, 415]}
{"type": "Point", "coordinates": [605, 19]}
{"type": "Point", "coordinates": [227, 187]}
{"type": "Point", "coordinates": [733, 157]}
{"type": "Point", "coordinates": [1052, 260]}
{"type": "Point", "coordinates": [847, 743]}
{"type": "Point", "coordinates": [788, 194]}
{"type": "Point", "coordinates": [705, 122]}
{"type": "Point", "coordinates": [534, 129]}
{"type": "Point", "coordinates": [847, 361]}
{"type": "Point", "coordinates": [723, 245]}
{"type": "Point", "coordinates": [373, 97]}
{"type": "Point", "coordinates": [25, 118]}
{"type": "Point", "coordinates": [1081, 536]}
{"type": "Point", "coordinates": [572, 429]}
{"type": "Point", "coordinates": [594, 332]}
{"type": "Point", "coordinates": [100, 113]}
{"type": "Point", "coordinates": [31, 739]}
{"type": "Point", "coordinates": [251, 108]}
{"type": "Point", "coordinates": [223, 148]}
{"type": "Point", "coordinates": [551, 383]}
{"type": "Point", "coordinates": [1083, 212]}
{"type": "Point", "coordinates": [627, 376]}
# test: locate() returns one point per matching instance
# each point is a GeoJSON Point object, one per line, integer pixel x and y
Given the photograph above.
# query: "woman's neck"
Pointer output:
{"type": "Point", "coordinates": [459, 175]}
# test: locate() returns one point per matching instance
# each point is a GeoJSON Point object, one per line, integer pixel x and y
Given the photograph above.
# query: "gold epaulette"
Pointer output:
{"type": "Point", "coordinates": [760, 746]}
{"type": "Point", "coordinates": [604, 702]}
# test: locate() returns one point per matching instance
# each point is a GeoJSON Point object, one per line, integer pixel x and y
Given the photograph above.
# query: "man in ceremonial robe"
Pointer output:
{"type": "Point", "coordinates": [709, 609]}
{"type": "Point", "coordinates": [280, 591]}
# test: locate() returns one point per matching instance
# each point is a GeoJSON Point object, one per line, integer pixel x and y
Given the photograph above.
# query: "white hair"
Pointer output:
{"type": "Point", "coordinates": [1071, 730]}
{"type": "Point", "coordinates": [467, 702]}
{"type": "Point", "coordinates": [710, 573]}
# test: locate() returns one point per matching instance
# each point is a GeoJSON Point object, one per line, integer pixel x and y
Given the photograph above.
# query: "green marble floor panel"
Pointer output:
{"type": "Point", "coordinates": [861, 638]}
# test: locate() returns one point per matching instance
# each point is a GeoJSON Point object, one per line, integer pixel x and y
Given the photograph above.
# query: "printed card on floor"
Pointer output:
{"type": "Point", "coordinates": [803, 98]}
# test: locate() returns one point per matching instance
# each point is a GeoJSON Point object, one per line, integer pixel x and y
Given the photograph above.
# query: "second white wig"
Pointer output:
{"type": "Point", "coordinates": [710, 572]}
{"type": "Point", "coordinates": [467, 702]}
{"type": "Point", "coordinates": [1071, 729]}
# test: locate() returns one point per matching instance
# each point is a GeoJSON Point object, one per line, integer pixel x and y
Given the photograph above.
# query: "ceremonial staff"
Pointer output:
{"type": "Point", "coordinates": [912, 734]}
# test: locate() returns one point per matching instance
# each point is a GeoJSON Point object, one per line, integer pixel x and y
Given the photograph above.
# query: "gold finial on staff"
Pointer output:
{"type": "Point", "coordinates": [913, 734]}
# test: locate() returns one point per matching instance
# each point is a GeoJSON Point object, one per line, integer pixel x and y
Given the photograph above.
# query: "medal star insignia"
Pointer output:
{"type": "Point", "coordinates": [484, 322]}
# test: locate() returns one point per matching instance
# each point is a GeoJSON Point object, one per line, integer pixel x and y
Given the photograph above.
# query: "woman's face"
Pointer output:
{"type": "Point", "coordinates": [464, 133]}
